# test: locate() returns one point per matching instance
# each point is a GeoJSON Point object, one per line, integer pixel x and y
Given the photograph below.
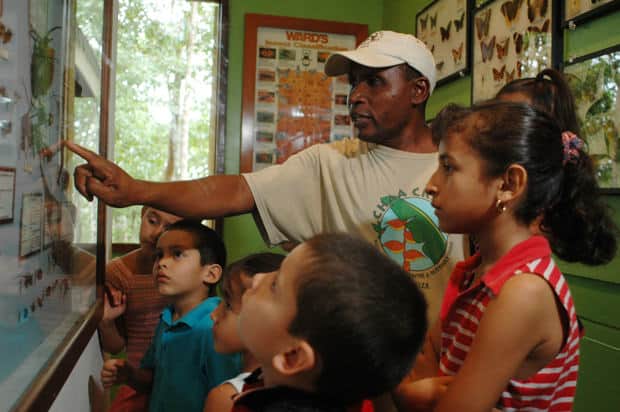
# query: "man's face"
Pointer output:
{"type": "Point", "coordinates": [380, 102]}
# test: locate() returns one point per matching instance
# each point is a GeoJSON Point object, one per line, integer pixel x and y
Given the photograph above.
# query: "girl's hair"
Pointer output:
{"type": "Point", "coordinates": [249, 266]}
{"type": "Point", "coordinates": [574, 218]}
{"type": "Point", "coordinates": [549, 92]}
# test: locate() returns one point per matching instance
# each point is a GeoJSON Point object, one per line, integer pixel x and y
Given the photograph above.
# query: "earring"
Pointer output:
{"type": "Point", "coordinates": [501, 208]}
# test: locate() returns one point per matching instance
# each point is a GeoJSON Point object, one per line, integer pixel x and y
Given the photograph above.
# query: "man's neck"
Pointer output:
{"type": "Point", "coordinates": [416, 138]}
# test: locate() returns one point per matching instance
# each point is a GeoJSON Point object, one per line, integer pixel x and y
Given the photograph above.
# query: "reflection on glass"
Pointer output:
{"type": "Point", "coordinates": [47, 278]}
{"type": "Point", "coordinates": [594, 83]}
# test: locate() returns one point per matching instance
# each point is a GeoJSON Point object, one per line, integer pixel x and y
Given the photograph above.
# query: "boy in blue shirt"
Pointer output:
{"type": "Point", "coordinates": [181, 365]}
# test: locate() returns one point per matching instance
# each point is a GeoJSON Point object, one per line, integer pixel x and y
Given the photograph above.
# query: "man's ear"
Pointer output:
{"type": "Point", "coordinates": [296, 359]}
{"type": "Point", "coordinates": [420, 90]}
{"type": "Point", "coordinates": [211, 274]}
{"type": "Point", "coordinates": [513, 185]}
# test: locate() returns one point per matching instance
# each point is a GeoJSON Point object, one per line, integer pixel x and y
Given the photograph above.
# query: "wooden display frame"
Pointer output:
{"type": "Point", "coordinates": [254, 22]}
{"type": "Point", "coordinates": [510, 40]}
{"type": "Point", "coordinates": [43, 389]}
{"type": "Point", "coordinates": [592, 79]}
{"type": "Point", "coordinates": [448, 36]}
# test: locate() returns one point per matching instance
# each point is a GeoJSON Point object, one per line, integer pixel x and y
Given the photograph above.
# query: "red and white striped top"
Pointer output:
{"type": "Point", "coordinates": [553, 387]}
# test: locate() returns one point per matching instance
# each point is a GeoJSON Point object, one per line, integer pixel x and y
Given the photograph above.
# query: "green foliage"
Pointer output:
{"type": "Point", "coordinates": [152, 54]}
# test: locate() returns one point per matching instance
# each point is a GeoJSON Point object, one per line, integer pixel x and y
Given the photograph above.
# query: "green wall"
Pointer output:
{"type": "Point", "coordinates": [240, 233]}
{"type": "Point", "coordinates": [596, 290]}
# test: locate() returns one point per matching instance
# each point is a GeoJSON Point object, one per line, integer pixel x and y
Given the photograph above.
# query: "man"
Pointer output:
{"type": "Point", "coordinates": [372, 186]}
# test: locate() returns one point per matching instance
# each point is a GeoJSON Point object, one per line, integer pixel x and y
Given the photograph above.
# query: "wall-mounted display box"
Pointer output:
{"type": "Point", "coordinates": [52, 79]}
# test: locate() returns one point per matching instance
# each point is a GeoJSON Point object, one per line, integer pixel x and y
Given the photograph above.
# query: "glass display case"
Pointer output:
{"type": "Point", "coordinates": [52, 79]}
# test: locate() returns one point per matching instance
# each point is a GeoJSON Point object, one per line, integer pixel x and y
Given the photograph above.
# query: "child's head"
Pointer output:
{"type": "Point", "coordinates": [549, 92]}
{"type": "Point", "coordinates": [237, 278]}
{"type": "Point", "coordinates": [509, 159]}
{"type": "Point", "coordinates": [153, 222]}
{"type": "Point", "coordinates": [189, 258]}
{"type": "Point", "coordinates": [339, 318]}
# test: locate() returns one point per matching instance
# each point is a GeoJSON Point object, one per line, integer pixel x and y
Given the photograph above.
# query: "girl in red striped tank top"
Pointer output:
{"type": "Point", "coordinates": [508, 334]}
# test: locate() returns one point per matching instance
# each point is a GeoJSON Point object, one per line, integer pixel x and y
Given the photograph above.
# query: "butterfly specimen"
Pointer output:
{"type": "Point", "coordinates": [509, 10]}
{"type": "Point", "coordinates": [499, 74]}
{"type": "Point", "coordinates": [439, 65]}
{"type": "Point", "coordinates": [445, 31]}
{"type": "Point", "coordinates": [5, 34]}
{"type": "Point", "coordinates": [536, 7]}
{"type": "Point", "coordinates": [434, 21]}
{"type": "Point", "coordinates": [502, 48]}
{"type": "Point", "coordinates": [482, 24]}
{"type": "Point", "coordinates": [542, 29]}
{"type": "Point", "coordinates": [518, 39]}
{"type": "Point", "coordinates": [457, 54]}
{"type": "Point", "coordinates": [487, 49]}
{"type": "Point", "coordinates": [510, 76]}
{"type": "Point", "coordinates": [458, 23]}
{"type": "Point", "coordinates": [423, 22]}
{"type": "Point", "coordinates": [519, 68]}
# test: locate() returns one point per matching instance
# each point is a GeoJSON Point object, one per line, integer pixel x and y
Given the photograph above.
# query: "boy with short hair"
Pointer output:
{"type": "Point", "coordinates": [181, 365]}
{"type": "Point", "coordinates": [132, 304]}
{"type": "Point", "coordinates": [339, 322]}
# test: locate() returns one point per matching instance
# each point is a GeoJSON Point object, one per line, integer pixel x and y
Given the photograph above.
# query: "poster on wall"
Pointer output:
{"type": "Point", "coordinates": [594, 80]}
{"type": "Point", "coordinates": [288, 101]}
{"type": "Point", "coordinates": [512, 39]}
{"type": "Point", "coordinates": [443, 27]}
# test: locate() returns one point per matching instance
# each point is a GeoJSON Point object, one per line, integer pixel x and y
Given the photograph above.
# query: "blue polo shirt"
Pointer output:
{"type": "Point", "coordinates": [184, 362]}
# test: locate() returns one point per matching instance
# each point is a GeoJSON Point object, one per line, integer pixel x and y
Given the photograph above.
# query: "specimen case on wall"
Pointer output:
{"type": "Point", "coordinates": [51, 72]}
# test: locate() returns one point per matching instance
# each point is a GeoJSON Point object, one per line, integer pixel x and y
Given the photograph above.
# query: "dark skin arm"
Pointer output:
{"type": "Point", "coordinates": [209, 197]}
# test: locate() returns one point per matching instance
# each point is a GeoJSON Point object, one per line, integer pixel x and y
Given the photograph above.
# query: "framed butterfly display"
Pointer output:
{"type": "Point", "coordinates": [511, 39]}
{"type": "Point", "coordinates": [594, 80]}
{"type": "Point", "coordinates": [579, 11]}
{"type": "Point", "coordinates": [444, 26]}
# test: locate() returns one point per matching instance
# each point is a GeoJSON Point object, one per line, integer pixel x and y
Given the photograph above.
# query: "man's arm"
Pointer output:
{"type": "Point", "coordinates": [209, 197]}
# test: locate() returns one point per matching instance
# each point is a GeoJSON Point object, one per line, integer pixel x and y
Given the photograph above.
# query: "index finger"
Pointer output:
{"type": "Point", "coordinates": [83, 152]}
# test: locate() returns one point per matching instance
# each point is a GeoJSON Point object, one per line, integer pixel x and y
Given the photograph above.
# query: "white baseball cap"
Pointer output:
{"type": "Point", "coordinates": [386, 49]}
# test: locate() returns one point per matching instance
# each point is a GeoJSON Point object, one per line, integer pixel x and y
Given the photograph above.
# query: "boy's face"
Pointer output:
{"type": "Point", "coordinates": [268, 308]}
{"type": "Point", "coordinates": [153, 223]}
{"type": "Point", "coordinates": [177, 267]}
{"type": "Point", "coordinates": [226, 317]}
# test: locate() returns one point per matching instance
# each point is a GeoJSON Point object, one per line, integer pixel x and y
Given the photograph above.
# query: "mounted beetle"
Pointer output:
{"type": "Point", "coordinates": [42, 67]}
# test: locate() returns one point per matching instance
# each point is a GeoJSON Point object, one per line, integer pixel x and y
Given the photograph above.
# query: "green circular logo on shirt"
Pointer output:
{"type": "Point", "coordinates": [409, 233]}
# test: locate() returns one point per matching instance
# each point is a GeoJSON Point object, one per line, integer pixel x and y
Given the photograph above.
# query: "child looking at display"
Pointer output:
{"type": "Point", "coordinates": [133, 304]}
{"type": "Point", "coordinates": [235, 281]}
{"type": "Point", "coordinates": [503, 165]}
{"type": "Point", "coordinates": [181, 365]}
{"type": "Point", "coordinates": [337, 323]}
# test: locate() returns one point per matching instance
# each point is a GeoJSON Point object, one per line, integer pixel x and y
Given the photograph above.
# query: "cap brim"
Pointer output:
{"type": "Point", "coordinates": [340, 63]}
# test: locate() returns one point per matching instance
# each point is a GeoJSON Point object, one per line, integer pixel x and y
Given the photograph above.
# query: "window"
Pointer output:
{"type": "Point", "coordinates": [165, 118]}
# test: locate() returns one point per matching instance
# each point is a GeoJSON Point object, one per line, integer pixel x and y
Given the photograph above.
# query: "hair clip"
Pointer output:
{"type": "Point", "coordinates": [572, 145]}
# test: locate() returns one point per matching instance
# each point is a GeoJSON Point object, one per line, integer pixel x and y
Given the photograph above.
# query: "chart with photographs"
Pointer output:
{"type": "Point", "coordinates": [296, 105]}
{"type": "Point", "coordinates": [576, 8]}
{"type": "Point", "coordinates": [442, 26]}
{"type": "Point", "coordinates": [594, 82]}
{"type": "Point", "coordinates": [512, 39]}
